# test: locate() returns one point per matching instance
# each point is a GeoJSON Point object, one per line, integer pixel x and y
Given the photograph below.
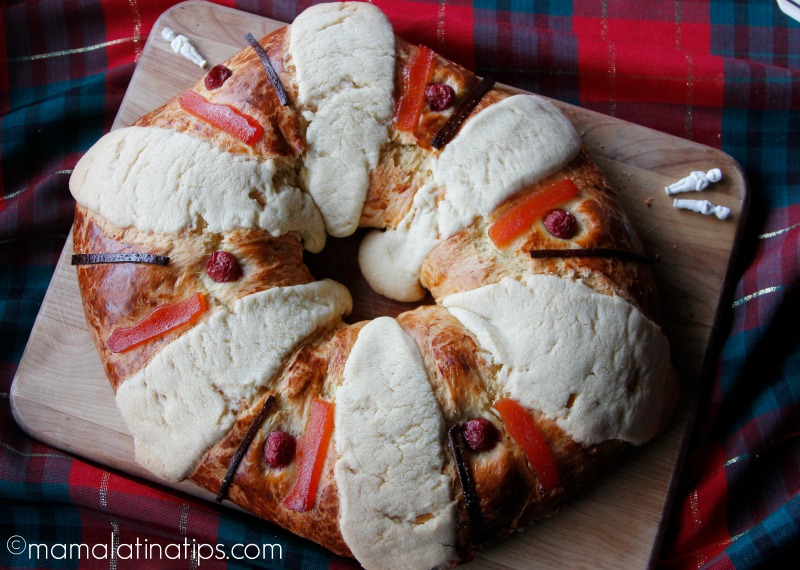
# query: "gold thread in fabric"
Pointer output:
{"type": "Point", "coordinates": [184, 519]}
{"type": "Point", "coordinates": [604, 21]}
{"type": "Point", "coordinates": [612, 60]}
{"type": "Point", "coordinates": [733, 539]}
{"type": "Point", "coordinates": [115, 545]}
{"type": "Point", "coordinates": [778, 232]}
{"type": "Point", "coordinates": [694, 502]}
{"type": "Point", "coordinates": [66, 51]}
{"type": "Point", "coordinates": [612, 80]}
{"type": "Point", "coordinates": [758, 452]}
{"type": "Point", "coordinates": [694, 505]}
{"type": "Point", "coordinates": [751, 296]}
{"type": "Point", "coordinates": [4, 445]}
{"type": "Point", "coordinates": [698, 80]}
{"type": "Point", "coordinates": [182, 526]}
{"type": "Point", "coordinates": [734, 460]}
{"type": "Point", "coordinates": [104, 490]}
{"type": "Point", "coordinates": [440, 14]}
{"type": "Point", "coordinates": [137, 29]}
{"type": "Point", "coordinates": [114, 526]}
{"type": "Point", "coordinates": [688, 120]}
{"type": "Point", "coordinates": [753, 454]}
{"type": "Point", "coordinates": [18, 192]}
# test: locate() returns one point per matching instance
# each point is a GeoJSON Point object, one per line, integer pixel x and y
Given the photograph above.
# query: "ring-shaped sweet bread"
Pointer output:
{"type": "Point", "coordinates": [408, 441]}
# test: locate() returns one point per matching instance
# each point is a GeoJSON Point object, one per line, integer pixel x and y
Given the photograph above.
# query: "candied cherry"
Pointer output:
{"type": "Point", "coordinates": [480, 434]}
{"type": "Point", "coordinates": [440, 96]}
{"type": "Point", "coordinates": [223, 267]}
{"type": "Point", "coordinates": [218, 75]}
{"type": "Point", "coordinates": [279, 449]}
{"type": "Point", "coordinates": [561, 223]}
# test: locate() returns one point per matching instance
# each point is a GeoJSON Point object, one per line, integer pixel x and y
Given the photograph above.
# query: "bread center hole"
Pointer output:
{"type": "Point", "coordinates": [339, 261]}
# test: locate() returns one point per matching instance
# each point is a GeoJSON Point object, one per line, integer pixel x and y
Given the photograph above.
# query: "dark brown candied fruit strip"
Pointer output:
{"type": "Point", "coordinates": [97, 258]}
{"type": "Point", "coordinates": [243, 447]}
{"type": "Point", "coordinates": [608, 252]}
{"type": "Point", "coordinates": [461, 112]}
{"type": "Point", "coordinates": [455, 435]}
{"type": "Point", "coordinates": [271, 73]}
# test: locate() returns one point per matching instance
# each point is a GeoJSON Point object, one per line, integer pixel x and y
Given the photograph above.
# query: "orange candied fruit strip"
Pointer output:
{"type": "Point", "coordinates": [523, 430]}
{"type": "Point", "coordinates": [158, 323]}
{"type": "Point", "coordinates": [223, 117]}
{"type": "Point", "coordinates": [311, 451]}
{"type": "Point", "coordinates": [519, 218]}
{"type": "Point", "coordinates": [415, 81]}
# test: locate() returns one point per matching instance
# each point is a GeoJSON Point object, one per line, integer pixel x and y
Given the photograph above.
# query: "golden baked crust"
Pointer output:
{"type": "Point", "coordinates": [462, 378]}
{"type": "Point", "coordinates": [317, 363]}
{"type": "Point", "coordinates": [463, 384]}
{"type": "Point", "coordinates": [248, 90]}
{"type": "Point", "coordinates": [469, 259]}
{"type": "Point", "coordinates": [119, 295]}
{"type": "Point", "coordinates": [388, 197]}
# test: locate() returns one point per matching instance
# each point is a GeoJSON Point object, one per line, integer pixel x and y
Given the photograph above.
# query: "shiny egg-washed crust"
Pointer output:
{"type": "Point", "coordinates": [249, 91]}
{"type": "Point", "coordinates": [119, 295]}
{"type": "Point", "coordinates": [462, 378]}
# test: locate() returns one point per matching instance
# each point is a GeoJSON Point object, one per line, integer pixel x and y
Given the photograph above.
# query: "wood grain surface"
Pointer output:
{"type": "Point", "coordinates": [61, 396]}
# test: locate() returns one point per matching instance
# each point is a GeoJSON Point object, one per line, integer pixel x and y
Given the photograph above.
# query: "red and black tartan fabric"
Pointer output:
{"type": "Point", "coordinates": [725, 74]}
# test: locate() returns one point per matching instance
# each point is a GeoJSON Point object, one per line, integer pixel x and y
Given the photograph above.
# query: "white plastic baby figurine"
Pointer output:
{"type": "Point", "coordinates": [703, 207]}
{"type": "Point", "coordinates": [182, 46]}
{"type": "Point", "coordinates": [696, 181]}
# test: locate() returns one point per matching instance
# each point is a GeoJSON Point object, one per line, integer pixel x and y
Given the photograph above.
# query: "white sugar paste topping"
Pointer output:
{"type": "Point", "coordinates": [344, 56]}
{"type": "Point", "coordinates": [396, 509]}
{"type": "Point", "coordinates": [504, 148]}
{"type": "Point", "coordinates": [187, 397]}
{"type": "Point", "coordinates": [593, 363]}
{"type": "Point", "coordinates": [165, 181]}
{"type": "Point", "coordinates": [390, 261]}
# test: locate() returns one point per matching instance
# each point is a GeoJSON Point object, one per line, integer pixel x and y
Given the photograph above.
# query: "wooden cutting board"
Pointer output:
{"type": "Point", "coordinates": [60, 395]}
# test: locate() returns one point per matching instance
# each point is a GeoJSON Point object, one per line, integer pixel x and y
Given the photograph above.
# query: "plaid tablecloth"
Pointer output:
{"type": "Point", "coordinates": [726, 74]}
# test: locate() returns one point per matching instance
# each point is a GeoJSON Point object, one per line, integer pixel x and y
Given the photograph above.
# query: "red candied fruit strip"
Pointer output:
{"type": "Point", "coordinates": [520, 217]}
{"type": "Point", "coordinates": [415, 82]}
{"type": "Point", "coordinates": [523, 430]}
{"type": "Point", "coordinates": [311, 452]}
{"type": "Point", "coordinates": [223, 117]}
{"type": "Point", "coordinates": [158, 323]}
